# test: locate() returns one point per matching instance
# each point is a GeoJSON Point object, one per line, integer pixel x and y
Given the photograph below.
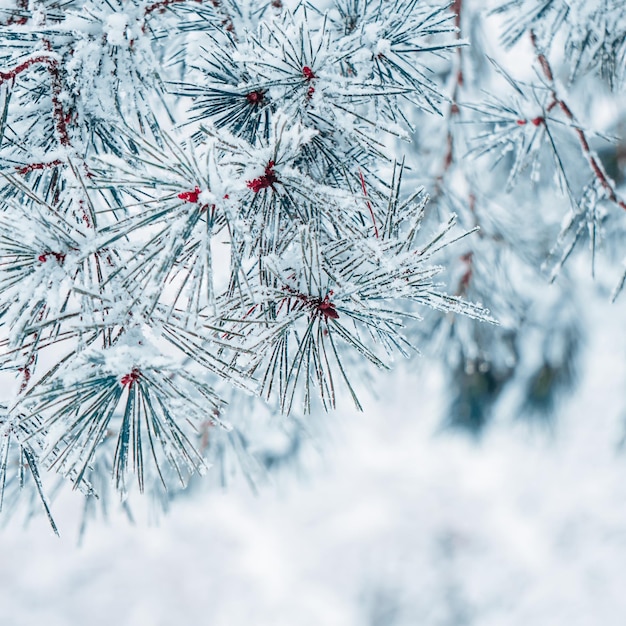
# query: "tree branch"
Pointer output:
{"type": "Point", "coordinates": [590, 156]}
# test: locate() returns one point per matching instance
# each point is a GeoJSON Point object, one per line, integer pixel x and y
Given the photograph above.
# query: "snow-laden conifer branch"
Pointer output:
{"type": "Point", "coordinates": [195, 206]}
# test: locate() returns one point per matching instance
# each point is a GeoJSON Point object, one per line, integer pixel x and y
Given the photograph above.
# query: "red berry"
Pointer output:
{"type": "Point", "coordinates": [190, 196]}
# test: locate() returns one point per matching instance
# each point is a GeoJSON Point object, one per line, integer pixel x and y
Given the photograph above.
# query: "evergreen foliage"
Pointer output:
{"type": "Point", "coordinates": [209, 201]}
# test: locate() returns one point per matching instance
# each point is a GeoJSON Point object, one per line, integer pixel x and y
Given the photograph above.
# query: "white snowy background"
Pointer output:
{"type": "Point", "coordinates": [399, 523]}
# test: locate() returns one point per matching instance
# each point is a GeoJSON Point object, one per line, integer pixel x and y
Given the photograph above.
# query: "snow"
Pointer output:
{"type": "Point", "coordinates": [115, 28]}
{"type": "Point", "coordinates": [525, 527]}
{"type": "Point", "coordinates": [383, 47]}
{"type": "Point", "coordinates": [398, 523]}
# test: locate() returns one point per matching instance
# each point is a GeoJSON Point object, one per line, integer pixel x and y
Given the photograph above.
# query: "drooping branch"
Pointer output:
{"type": "Point", "coordinates": [590, 156]}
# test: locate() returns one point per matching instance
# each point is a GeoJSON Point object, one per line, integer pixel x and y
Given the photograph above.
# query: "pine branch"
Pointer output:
{"type": "Point", "coordinates": [590, 156]}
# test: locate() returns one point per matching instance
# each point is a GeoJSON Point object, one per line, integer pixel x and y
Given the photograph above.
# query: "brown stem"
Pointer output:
{"type": "Point", "coordinates": [456, 7]}
{"type": "Point", "coordinates": [162, 5]}
{"type": "Point", "coordinates": [22, 67]}
{"type": "Point", "coordinates": [26, 169]}
{"type": "Point", "coordinates": [52, 66]}
{"type": "Point", "coordinates": [20, 5]}
{"type": "Point", "coordinates": [227, 20]}
{"type": "Point", "coordinates": [590, 156]}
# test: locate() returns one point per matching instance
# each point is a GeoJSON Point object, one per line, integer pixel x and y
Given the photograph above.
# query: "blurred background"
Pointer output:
{"type": "Point", "coordinates": [400, 520]}
{"type": "Point", "coordinates": [484, 484]}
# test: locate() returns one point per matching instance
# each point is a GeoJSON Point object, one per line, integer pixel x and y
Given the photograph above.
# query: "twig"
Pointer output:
{"type": "Point", "coordinates": [52, 66]}
{"type": "Point", "coordinates": [11, 74]}
{"type": "Point", "coordinates": [590, 156]}
{"type": "Point", "coordinates": [162, 5]}
{"type": "Point", "coordinates": [26, 169]}
{"type": "Point", "coordinates": [456, 8]}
